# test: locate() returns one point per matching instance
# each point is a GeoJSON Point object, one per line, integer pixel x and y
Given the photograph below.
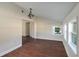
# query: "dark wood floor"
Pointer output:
{"type": "Point", "coordinates": [39, 48]}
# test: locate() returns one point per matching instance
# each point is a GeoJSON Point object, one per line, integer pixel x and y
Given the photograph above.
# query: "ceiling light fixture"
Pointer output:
{"type": "Point", "coordinates": [30, 15]}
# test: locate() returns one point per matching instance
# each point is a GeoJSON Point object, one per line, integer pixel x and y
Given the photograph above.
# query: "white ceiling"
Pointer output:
{"type": "Point", "coordinates": [49, 10]}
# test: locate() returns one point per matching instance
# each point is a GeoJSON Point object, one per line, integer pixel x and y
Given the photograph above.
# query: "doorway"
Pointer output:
{"type": "Point", "coordinates": [25, 31]}
{"type": "Point", "coordinates": [28, 31]}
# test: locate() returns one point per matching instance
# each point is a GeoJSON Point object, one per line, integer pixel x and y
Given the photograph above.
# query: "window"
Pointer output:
{"type": "Point", "coordinates": [65, 31]}
{"type": "Point", "coordinates": [72, 33]}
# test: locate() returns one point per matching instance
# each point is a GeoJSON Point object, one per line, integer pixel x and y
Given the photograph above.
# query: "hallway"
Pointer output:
{"type": "Point", "coordinates": [52, 27]}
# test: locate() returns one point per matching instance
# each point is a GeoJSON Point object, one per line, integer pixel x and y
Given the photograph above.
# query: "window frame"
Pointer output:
{"type": "Point", "coordinates": [70, 43]}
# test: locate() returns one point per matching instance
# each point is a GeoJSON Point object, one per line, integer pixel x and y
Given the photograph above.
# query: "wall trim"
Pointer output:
{"type": "Point", "coordinates": [7, 51]}
{"type": "Point", "coordinates": [47, 38]}
{"type": "Point", "coordinates": [68, 49]}
{"type": "Point", "coordinates": [43, 38]}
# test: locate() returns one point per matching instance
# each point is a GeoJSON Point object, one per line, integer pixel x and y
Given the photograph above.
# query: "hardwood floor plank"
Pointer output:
{"type": "Point", "coordinates": [39, 48]}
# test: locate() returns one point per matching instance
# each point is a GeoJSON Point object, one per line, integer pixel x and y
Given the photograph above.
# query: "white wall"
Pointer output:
{"type": "Point", "coordinates": [10, 27]}
{"type": "Point", "coordinates": [33, 29]}
{"type": "Point", "coordinates": [74, 13]}
{"type": "Point", "coordinates": [25, 28]}
{"type": "Point", "coordinates": [42, 29]}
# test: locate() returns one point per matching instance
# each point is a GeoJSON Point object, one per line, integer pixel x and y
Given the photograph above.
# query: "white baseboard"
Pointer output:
{"type": "Point", "coordinates": [7, 51]}
{"type": "Point", "coordinates": [47, 38]}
